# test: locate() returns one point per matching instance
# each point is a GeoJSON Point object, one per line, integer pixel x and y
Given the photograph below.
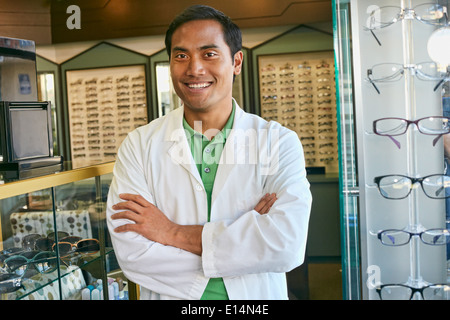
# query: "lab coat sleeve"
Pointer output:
{"type": "Point", "coordinates": [273, 242]}
{"type": "Point", "coordinates": [163, 269]}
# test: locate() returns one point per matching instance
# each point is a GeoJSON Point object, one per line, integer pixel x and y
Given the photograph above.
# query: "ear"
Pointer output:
{"type": "Point", "coordinates": [238, 60]}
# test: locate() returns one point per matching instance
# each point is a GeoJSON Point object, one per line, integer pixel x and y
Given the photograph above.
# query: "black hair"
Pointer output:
{"type": "Point", "coordinates": [232, 33]}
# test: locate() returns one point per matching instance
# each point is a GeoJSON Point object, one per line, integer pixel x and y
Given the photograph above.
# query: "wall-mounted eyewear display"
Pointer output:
{"type": "Point", "coordinates": [104, 97]}
{"type": "Point", "coordinates": [396, 186]}
{"type": "Point", "coordinates": [433, 125]}
{"type": "Point", "coordinates": [389, 72]}
{"type": "Point", "coordinates": [305, 83]}
{"type": "Point", "coordinates": [395, 237]}
{"type": "Point", "coordinates": [406, 292]}
{"type": "Point", "coordinates": [428, 13]}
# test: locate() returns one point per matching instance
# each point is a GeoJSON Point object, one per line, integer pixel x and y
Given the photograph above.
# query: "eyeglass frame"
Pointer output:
{"type": "Point", "coordinates": [32, 261]}
{"type": "Point", "coordinates": [72, 245]}
{"type": "Point", "coordinates": [417, 72]}
{"type": "Point", "coordinates": [406, 13]}
{"type": "Point", "coordinates": [10, 282]}
{"type": "Point", "coordinates": [377, 180]}
{"type": "Point", "coordinates": [379, 288]}
{"type": "Point", "coordinates": [408, 123]}
{"type": "Point", "coordinates": [413, 234]}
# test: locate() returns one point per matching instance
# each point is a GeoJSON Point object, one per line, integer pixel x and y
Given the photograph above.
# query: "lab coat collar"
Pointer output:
{"type": "Point", "coordinates": [180, 152]}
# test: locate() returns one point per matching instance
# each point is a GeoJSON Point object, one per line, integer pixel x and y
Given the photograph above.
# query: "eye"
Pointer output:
{"type": "Point", "coordinates": [180, 56]}
{"type": "Point", "coordinates": [210, 54]}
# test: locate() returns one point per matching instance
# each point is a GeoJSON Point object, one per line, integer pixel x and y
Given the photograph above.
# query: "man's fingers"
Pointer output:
{"type": "Point", "coordinates": [133, 203]}
{"type": "Point", "coordinates": [261, 203]}
{"type": "Point", "coordinates": [129, 215]}
{"type": "Point", "coordinates": [265, 203]}
{"type": "Point", "coordinates": [129, 227]}
{"type": "Point", "coordinates": [140, 200]}
{"type": "Point", "coordinates": [271, 200]}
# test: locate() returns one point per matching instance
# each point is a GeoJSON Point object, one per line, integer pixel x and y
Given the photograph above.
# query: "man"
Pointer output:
{"type": "Point", "coordinates": [192, 209]}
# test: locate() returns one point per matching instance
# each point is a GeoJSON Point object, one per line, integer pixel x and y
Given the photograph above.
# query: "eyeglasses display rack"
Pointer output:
{"type": "Point", "coordinates": [104, 104]}
{"type": "Point", "coordinates": [298, 91]}
{"type": "Point", "coordinates": [401, 133]}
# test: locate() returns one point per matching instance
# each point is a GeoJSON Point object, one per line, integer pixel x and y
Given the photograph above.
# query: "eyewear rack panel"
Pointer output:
{"type": "Point", "coordinates": [392, 266]}
{"type": "Point", "coordinates": [104, 105]}
{"type": "Point", "coordinates": [298, 91]}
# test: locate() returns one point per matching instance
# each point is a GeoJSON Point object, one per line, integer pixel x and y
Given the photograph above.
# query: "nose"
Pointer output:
{"type": "Point", "coordinates": [195, 67]}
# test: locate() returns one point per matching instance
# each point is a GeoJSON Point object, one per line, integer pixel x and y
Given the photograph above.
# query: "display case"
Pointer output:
{"type": "Point", "coordinates": [54, 243]}
{"type": "Point", "coordinates": [391, 104]}
{"type": "Point", "coordinates": [298, 91]}
{"type": "Point", "coordinates": [104, 105]}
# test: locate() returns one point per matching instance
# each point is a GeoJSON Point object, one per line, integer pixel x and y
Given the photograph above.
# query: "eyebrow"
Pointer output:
{"type": "Point", "coordinates": [205, 47]}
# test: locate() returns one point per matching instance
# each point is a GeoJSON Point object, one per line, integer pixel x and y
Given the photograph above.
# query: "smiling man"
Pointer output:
{"type": "Point", "coordinates": [209, 202]}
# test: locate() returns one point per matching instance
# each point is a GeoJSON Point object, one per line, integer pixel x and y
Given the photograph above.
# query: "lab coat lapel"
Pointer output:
{"type": "Point", "coordinates": [236, 147]}
{"type": "Point", "coordinates": [179, 150]}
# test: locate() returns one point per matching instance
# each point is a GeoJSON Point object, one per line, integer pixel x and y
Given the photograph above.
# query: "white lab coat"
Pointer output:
{"type": "Point", "coordinates": [251, 252]}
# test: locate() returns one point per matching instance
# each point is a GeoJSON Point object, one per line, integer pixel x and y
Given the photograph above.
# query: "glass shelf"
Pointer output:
{"type": "Point", "coordinates": [67, 208]}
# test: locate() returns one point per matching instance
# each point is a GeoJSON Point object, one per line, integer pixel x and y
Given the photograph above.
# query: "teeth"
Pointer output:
{"type": "Point", "coordinates": [198, 85]}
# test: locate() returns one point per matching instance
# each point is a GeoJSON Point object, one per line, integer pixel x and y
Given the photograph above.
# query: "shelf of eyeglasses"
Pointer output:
{"type": "Point", "coordinates": [303, 90]}
{"type": "Point", "coordinates": [301, 99]}
{"type": "Point", "coordinates": [305, 124]}
{"type": "Point", "coordinates": [308, 85]}
{"type": "Point", "coordinates": [289, 115]}
{"type": "Point", "coordinates": [107, 123]}
{"type": "Point", "coordinates": [109, 83]}
{"type": "Point", "coordinates": [305, 66]}
{"type": "Point", "coordinates": [38, 269]}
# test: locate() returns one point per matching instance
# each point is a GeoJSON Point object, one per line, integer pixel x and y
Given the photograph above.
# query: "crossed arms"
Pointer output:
{"type": "Point", "coordinates": [152, 223]}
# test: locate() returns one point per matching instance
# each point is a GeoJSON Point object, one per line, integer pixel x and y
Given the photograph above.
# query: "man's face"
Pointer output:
{"type": "Point", "coordinates": [201, 66]}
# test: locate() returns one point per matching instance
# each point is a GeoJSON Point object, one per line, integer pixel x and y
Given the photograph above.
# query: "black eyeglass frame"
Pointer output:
{"type": "Point", "coordinates": [413, 290]}
{"type": "Point", "coordinates": [420, 180]}
{"type": "Point", "coordinates": [411, 234]}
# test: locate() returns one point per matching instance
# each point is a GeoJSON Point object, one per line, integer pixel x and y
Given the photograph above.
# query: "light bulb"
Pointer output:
{"type": "Point", "coordinates": [439, 46]}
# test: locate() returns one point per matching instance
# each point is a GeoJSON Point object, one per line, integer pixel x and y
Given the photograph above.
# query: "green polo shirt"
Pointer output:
{"type": "Point", "coordinates": [206, 155]}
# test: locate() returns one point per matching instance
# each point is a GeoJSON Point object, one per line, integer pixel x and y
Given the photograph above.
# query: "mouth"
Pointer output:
{"type": "Point", "coordinates": [198, 85]}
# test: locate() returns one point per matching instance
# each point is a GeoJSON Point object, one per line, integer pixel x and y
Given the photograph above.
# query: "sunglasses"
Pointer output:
{"type": "Point", "coordinates": [69, 245]}
{"type": "Point", "coordinates": [10, 282]}
{"type": "Point", "coordinates": [42, 262]}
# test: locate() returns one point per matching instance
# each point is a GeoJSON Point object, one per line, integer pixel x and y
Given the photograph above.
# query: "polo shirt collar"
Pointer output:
{"type": "Point", "coordinates": [220, 136]}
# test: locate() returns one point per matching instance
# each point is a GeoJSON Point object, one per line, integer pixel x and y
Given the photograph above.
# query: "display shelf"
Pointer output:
{"type": "Point", "coordinates": [104, 105]}
{"type": "Point", "coordinates": [54, 240]}
{"type": "Point", "coordinates": [394, 77]}
{"type": "Point", "coordinates": [298, 91]}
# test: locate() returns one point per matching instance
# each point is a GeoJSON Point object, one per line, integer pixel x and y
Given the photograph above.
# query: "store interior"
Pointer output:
{"type": "Point", "coordinates": [123, 40]}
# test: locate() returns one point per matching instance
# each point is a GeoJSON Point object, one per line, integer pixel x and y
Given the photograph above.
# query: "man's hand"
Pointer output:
{"type": "Point", "coordinates": [265, 203]}
{"type": "Point", "coordinates": [152, 223]}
